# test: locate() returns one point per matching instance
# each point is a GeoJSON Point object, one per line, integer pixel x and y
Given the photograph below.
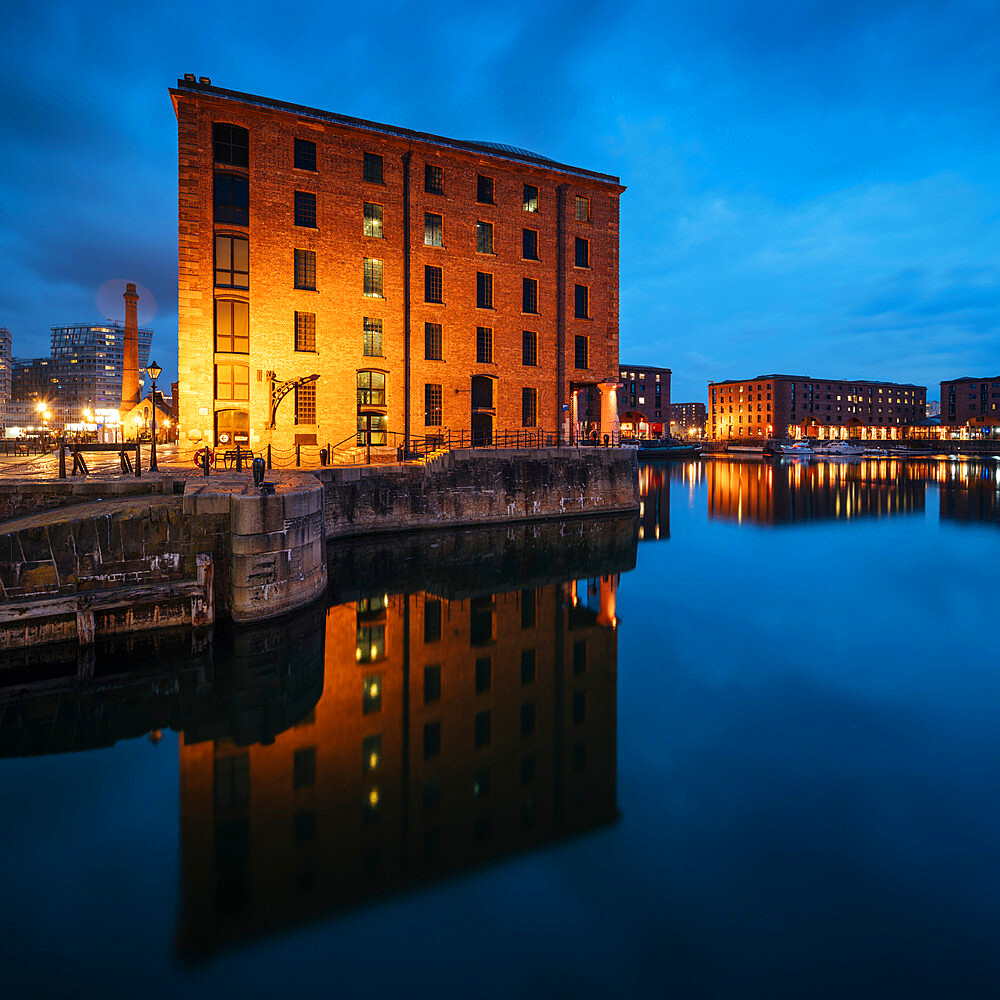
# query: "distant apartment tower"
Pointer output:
{"type": "Point", "coordinates": [83, 372]}
{"type": "Point", "coordinates": [799, 406]}
{"type": "Point", "coordinates": [5, 357]}
{"type": "Point", "coordinates": [688, 416]}
{"type": "Point", "coordinates": [643, 400]}
{"type": "Point", "coordinates": [970, 401]}
{"type": "Point", "coordinates": [341, 278]}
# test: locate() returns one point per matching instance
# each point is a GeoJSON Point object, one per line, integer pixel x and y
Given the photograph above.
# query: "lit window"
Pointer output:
{"type": "Point", "coordinates": [232, 327]}
{"type": "Point", "coordinates": [582, 209]}
{"type": "Point", "coordinates": [372, 344]}
{"type": "Point", "coordinates": [373, 220]}
{"type": "Point", "coordinates": [232, 382]}
{"type": "Point", "coordinates": [530, 198]}
{"type": "Point", "coordinates": [433, 230]}
{"type": "Point", "coordinates": [484, 237]}
{"type": "Point", "coordinates": [232, 262]}
{"type": "Point", "coordinates": [372, 278]}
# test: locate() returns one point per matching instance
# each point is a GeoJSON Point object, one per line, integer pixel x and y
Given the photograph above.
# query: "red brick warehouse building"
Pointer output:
{"type": "Point", "coordinates": [337, 274]}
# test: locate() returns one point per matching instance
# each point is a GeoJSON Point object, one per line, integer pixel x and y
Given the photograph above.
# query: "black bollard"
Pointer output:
{"type": "Point", "coordinates": [204, 459]}
{"type": "Point", "coordinates": [62, 459]}
{"type": "Point", "coordinates": [138, 460]}
{"type": "Point", "coordinates": [239, 458]}
{"type": "Point", "coordinates": [269, 456]}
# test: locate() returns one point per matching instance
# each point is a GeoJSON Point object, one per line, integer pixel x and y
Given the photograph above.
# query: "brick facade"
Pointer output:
{"type": "Point", "coordinates": [644, 401]}
{"type": "Point", "coordinates": [965, 400]}
{"type": "Point", "coordinates": [799, 406]}
{"type": "Point", "coordinates": [338, 303]}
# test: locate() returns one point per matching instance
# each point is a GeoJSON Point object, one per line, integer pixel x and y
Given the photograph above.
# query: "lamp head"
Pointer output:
{"type": "Point", "coordinates": [154, 370]}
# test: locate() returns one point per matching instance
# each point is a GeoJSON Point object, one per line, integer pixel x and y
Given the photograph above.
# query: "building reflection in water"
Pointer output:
{"type": "Point", "coordinates": [784, 492]}
{"type": "Point", "coordinates": [654, 502]}
{"type": "Point", "coordinates": [969, 491]}
{"type": "Point", "coordinates": [451, 730]}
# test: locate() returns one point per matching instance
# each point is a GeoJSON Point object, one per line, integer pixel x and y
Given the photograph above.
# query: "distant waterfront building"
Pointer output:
{"type": "Point", "coordinates": [368, 280]}
{"type": "Point", "coordinates": [971, 402]}
{"type": "Point", "coordinates": [643, 400]}
{"type": "Point", "coordinates": [688, 416]}
{"type": "Point", "coordinates": [933, 408]}
{"type": "Point", "coordinates": [5, 356]}
{"type": "Point", "coordinates": [800, 406]}
{"type": "Point", "coordinates": [83, 372]}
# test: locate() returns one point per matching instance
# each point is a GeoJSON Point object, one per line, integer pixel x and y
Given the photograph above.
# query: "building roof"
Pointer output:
{"type": "Point", "coordinates": [809, 378]}
{"type": "Point", "coordinates": [496, 150]}
{"type": "Point", "coordinates": [652, 368]}
{"type": "Point", "coordinates": [972, 378]}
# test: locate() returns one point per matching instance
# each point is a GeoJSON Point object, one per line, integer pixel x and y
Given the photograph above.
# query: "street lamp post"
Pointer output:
{"type": "Point", "coordinates": [154, 373]}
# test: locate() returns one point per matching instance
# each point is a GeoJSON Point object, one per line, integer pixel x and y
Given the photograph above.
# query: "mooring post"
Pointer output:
{"type": "Point", "coordinates": [239, 458]}
{"type": "Point", "coordinates": [138, 460]}
{"type": "Point", "coordinates": [203, 603]}
{"type": "Point", "coordinates": [62, 459]}
{"type": "Point", "coordinates": [269, 456]}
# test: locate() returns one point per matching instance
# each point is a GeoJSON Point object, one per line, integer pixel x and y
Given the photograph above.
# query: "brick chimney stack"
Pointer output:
{"type": "Point", "coordinates": [130, 361]}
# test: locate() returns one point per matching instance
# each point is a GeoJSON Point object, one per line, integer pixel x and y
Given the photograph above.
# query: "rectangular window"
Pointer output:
{"type": "Point", "coordinates": [305, 331]}
{"type": "Point", "coordinates": [305, 154]}
{"type": "Point", "coordinates": [529, 608]}
{"type": "Point", "coordinates": [529, 295]}
{"type": "Point", "coordinates": [529, 348]}
{"type": "Point", "coordinates": [527, 718]}
{"type": "Point", "coordinates": [433, 230]}
{"type": "Point", "coordinates": [371, 752]}
{"type": "Point", "coordinates": [373, 168]}
{"type": "Point", "coordinates": [432, 684]}
{"type": "Point", "coordinates": [484, 189]}
{"type": "Point", "coordinates": [371, 698]}
{"type": "Point", "coordinates": [484, 345]}
{"type": "Point", "coordinates": [232, 198]}
{"type": "Point", "coordinates": [529, 407]}
{"type": "Point", "coordinates": [527, 666]}
{"type": "Point", "coordinates": [373, 278]}
{"type": "Point", "coordinates": [432, 739]}
{"type": "Point", "coordinates": [580, 657]}
{"type": "Point", "coordinates": [484, 237]}
{"type": "Point", "coordinates": [232, 382]}
{"type": "Point", "coordinates": [433, 179]}
{"type": "Point", "coordinates": [305, 404]}
{"type": "Point", "coordinates": [373, 220]}
{"type": "Point", "coordinates": [432, 619]}
{"type": "Point", "coordinates": [372, 344]}
{"type": "Point", "coordinates": [232, 262]}
{"type": "Point", "coordinates": [231, 144]}
{"type": "Point", "coordinates": [371, 389]}
{"type": "Point", "coordinates": [432, 405]}
{"type": "Point", "coordinates": [582, 353]}
{"type": "Point", "coordinates": [582, 209]}
{"type": "Point", "coordinates": [582, 302]}
{"type": "Point", "coordinates": [232, 327]}
{"type": "Point", "coordinates": [484, 671]}
{"type": "Point", "coordinates": [484, 290]}
{"type": "Point", "coordinates": [432, 341]}
{"type": "Point", "coordinates": [582, 252]}
{"type": "Point", "coordinates": [433, 284]}
{"type": "Point", "coordinates": [305, 269]}
{"type": "Point", "coordinates": [529, 244]}
{"type": "Point", "coordinates": [305, 209]}
{"type": "Point", "coordinates": [530, 198]}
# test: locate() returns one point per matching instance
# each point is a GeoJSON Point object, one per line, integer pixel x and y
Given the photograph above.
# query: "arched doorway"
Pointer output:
{"type": "Point", "coordinates": [483, 410]}
{"type": "Point", "coordinates": [633, 424]}
{"type": "Point", "coordinates": [854, 428]}
{"type": "Point", "coordinates": [810, 427]}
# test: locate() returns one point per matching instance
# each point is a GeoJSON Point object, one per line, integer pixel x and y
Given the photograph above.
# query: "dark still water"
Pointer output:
{"type": "Point", "coordinates": [745, 746]}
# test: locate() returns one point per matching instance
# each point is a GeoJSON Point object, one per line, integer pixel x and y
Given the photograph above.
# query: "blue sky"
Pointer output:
{"type": "Point", "coordinates": [812, 187]}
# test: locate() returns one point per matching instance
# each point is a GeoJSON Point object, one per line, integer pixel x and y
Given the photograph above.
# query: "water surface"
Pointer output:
{"type": "Point", "coordinates": [743, 745]}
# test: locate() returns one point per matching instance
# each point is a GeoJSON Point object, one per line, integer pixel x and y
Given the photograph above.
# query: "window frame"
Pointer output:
{"type": "Point", "coordinates": [433, 278]}
{"type": "Point", "coordinates": [308, 258]}
{"type": "Point", "coordinates": [373, 220]}
{"type": "Point", "coordinates": [230, 301]}
{"type": "Point", "coordinates": [484, 228]}
{"type": "Point", "coordinates": [239, 162]}
{"type": "Point", "coordinates": [303, 333]}
{"type": "Point", "coordinates": [308, 147]}
{"type": "Point", "coordinates": [480, 188]}
{"type": "Point", "coordinates": [368, 168]}
{"type": "Point", "coordinates": [584, 340]}
{"type": "Point", "coordinates": [433, 337]}
{"type": "Point", "coordinates": [306, 389]}
{"type": "Point", "coordinates": [433, 170]}
{"type": "Point", "coordinates": [484, 290]}
{"type": "Point", "coordinates": [231, 270]}
{"type": "Point", "coordinates": [529, 285]}
{"type": "Point", "coordinates": [581, 302]}
{"type": "Point", "coordinates": [368, 337]}
{"type": "Point", "coordinates": [529, 406]}
{"type": "Point", "coordinates": [232, 382]}
{"type": "Point", "coordinates": [529, 337]}
{"type": "Point", "coordinates": [305, 208]}
{"type": "Point", "coordinates": [585, 243]}
{"type": "Point", "coordinates": [484, 345]}
{"type": "Point", "coordinates": [526, 201]}
{"type": "Point", "coordinates": [429, 229]}
{"type": "Point", "coordinates": [232, 212]}
{"type": "Point", "coordinates": [433, 412]}
{"type": "Point", "coordinates": [373, 274]}
{"type": "Point", "coordinates": [525, 230]}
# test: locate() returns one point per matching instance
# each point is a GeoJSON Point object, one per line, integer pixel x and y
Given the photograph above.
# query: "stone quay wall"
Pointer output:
{"type": "Point", "coordinates": [25, 497]}
{"type": "Point", "coordinates": [467, 487]}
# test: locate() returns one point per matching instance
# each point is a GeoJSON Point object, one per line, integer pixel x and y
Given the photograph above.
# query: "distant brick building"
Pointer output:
{"type": "Point", "coordinates": [971, 401]}
{"type": "Point", "coordinates": [643, 400]}
{"type": "Point", "coordinates": [5, 360]}
{"type": "Point", "coordinates": [688, 416]}
{"type": "Point", "coordinates": [800, 406]}
{"type": "Point", "coordinates": [423, 284]}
